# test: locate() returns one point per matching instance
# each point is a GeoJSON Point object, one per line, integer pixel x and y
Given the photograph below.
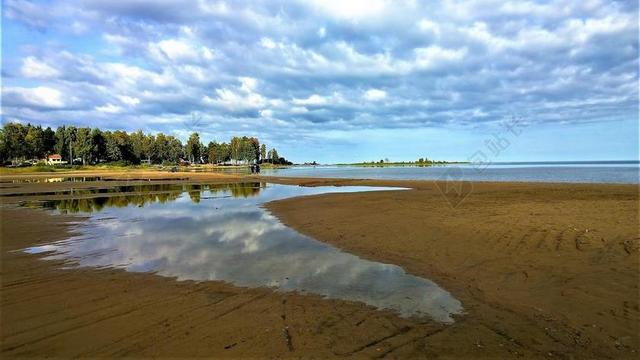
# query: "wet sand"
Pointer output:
{"type": "Point", "coordinates": [543, 270]}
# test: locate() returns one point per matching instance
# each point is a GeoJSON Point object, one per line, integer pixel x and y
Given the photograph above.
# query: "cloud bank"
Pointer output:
{"type": "Point", "coordinates": [293, 71]}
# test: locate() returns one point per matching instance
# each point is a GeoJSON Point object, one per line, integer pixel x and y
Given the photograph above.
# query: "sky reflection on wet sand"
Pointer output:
{"type": "Point", "coordinates": [224, 234]}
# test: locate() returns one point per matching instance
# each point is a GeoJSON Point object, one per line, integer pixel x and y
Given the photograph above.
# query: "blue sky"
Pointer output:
{"type": "Point", "coordinates": [335, 81]}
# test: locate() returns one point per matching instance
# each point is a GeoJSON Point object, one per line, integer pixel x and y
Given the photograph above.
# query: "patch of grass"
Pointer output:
{"type": "Point", "coordinates": [123, 167]}
{"type": "Point", "coordinates": [71, 168]}
{"type": "Point", "coordinates": [27, 170]}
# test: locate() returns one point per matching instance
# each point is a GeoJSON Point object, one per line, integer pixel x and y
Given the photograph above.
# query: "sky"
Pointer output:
{"type": "Point", "coordinates": [336, 80]}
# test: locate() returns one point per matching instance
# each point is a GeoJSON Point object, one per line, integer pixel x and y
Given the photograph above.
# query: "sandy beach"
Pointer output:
{"type": "Point", "coordinates": [542, 270]}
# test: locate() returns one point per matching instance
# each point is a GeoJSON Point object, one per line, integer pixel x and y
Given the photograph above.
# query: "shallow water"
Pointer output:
{"type": "Point", "coordinates": [576, 172]}
{"type": "Point", "coordinates": [236, 189]}
{"type": "Point", "coordinates": [221, 233]}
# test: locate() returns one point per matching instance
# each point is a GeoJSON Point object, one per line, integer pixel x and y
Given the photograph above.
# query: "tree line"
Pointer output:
{"type": "Point", "coordinates": [92, 146]}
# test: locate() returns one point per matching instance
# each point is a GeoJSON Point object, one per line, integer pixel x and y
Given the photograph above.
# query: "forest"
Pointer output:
{"type": "Point", "coordinates": [83, 145]}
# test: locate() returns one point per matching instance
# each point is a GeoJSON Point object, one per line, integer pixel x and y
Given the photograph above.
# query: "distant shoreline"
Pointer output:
{"type": "Point", "coordinates": [385, 164]}
{"type": "Point", "coordinates": [561, 162]}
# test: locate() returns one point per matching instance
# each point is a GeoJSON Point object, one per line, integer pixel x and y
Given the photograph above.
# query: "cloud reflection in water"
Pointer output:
{"type": "Point", "coordinates": [215, 235]}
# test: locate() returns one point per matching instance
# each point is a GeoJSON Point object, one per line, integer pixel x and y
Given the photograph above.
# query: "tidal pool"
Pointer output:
{"type": "Point", "coordinates": [221, 233]}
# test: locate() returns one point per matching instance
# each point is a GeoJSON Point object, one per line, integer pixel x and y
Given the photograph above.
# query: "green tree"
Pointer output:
{"type": "Point", "coordinates": [61, 142]}
{"type": "Point", "coordinates": [274, 158]}
{"type": "Point", "coordinates": [14, 135]}
{"type": "Point", "coordinates": [160, 148]}
{"type": "Point", "coordinates": [246, 149]}
{"type": "Point", "coordinates": [111, 146]}
{"type": "Point", "coordinates": [93, 145]}
{"type": "Point", "coordinates": [123, 141]}
{"type": "Point", "coordinates": [192, 149]}
{"type": "Point", "coordinates": [204, 153]}
{"type": "Point", "coordinates": [99, 146]}
{"type": "Point", "coordinates": [34, 142]}
{"type": "Point", "coordinates": [3, 150]}
{"type": "Point", "coordinates": [255, 149]}
{"type": "Point", "coordinates": [70, 134]}
{"type": "Point", "coordinates": [214, 152]}
{"type": "Point", "coordinates": [263, 152]}
{"type": "Point", "coordinates": [48, 141]}
{"type": "Point", "coordinates": [218, 152]}
{"type": "Point", "coordinates": [137, 145]}
{"type": "Point", "coordinates": [118, 146]}
{"type": "Point", "coordinates": [148, 147]}
{"type": "Point", "coordinates": [236, 148]}
{"type": "Point", "coordinates": [83, 145]}
{"type": "Point", "coordinates": [225, 152]}
{"type": "Point", "coordinates": [174, 151]}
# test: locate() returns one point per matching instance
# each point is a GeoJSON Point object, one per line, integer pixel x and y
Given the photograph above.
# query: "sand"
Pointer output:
{"type": "Point", "coordinates": [543, 270]}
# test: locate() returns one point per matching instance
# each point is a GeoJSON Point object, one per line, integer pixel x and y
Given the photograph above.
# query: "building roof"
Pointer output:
{"type": "Point", "coordinates": [54, 156]}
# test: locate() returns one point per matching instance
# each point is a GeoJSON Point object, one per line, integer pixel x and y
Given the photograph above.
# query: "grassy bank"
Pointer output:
{"type": "Point", "coordinates": [44, 169]}
{"type": "Point", "coordinates": [37, 169]}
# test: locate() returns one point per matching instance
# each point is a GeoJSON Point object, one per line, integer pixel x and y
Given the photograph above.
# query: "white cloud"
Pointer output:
{"type": "Point", "coordinates": [36, 69]}
{"type": "Point", "coordinates": [242, 98]}
{"type": "Point", "coordinates": [124, 71]}
{"type": "Point", "coordinates": [121, 44]}
{"type": "Point", "coordinates": [267, 43]}
{"type": "Point", "coordinates": [429, 26]}
{"type": "Point", "coordinates": [233, 100]}
{"type": "Point", "coordinates": [196, 73]}
{"type": "Point", "coordinates": [48, 96]}
{"type": "Point", "coordinates": [207, 53]}
{"type": "Point", "coordinates": [128, 100]}
{"type": "Point", "coordinates": [40, 96]}
{"type": "Point", "coordinates": [375, 94]}
{"type": "Point", "coordinates": [78, 27]}
{"type": "Point", "coordinates": [123, 76]}
{"type": "Point", "coordinates": [248, 84]}
{"type": "Point", "coordinates": [314, 99]}
{"type": "Point", "coordinates": [480, 32]}
{"type": "Point", "coordinates": [351, 10]}
{"type": "Point", "coordinates": [213, 8]}
{"type": "Point", "coordinates": [266, 113]}
{"type": "Point", "coordinates": [109, 109]}
{"type": "Point", "coordinates": [435, 55]}
{"type": "Point", "coordinates": [177, 50]}
{"type": "Point", "coordinates": [583, 29]}
{"type": "Point", "coordinates": [328, 64]}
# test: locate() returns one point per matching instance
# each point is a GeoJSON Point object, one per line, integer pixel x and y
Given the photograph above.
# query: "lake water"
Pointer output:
{"type": "Point", "coordinates": [576, 172]}
{"type": "Point", "coordinates": [221, 232]}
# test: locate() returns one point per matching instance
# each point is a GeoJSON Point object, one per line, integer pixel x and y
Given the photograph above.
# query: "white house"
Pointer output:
{"type": "Point", "coordinates": [55, 159]}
